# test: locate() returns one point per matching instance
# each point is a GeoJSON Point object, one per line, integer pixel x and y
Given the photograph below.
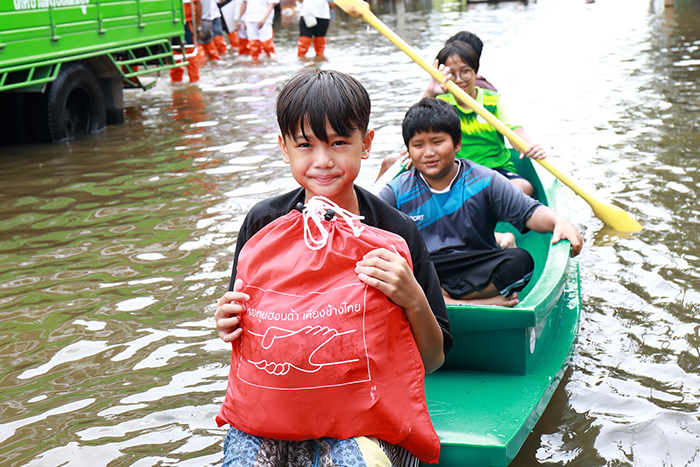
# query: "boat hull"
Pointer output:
{"type": "Point", "coordinates": [483, 418]}
{"type": "Point", "coordinates": [506, 363]}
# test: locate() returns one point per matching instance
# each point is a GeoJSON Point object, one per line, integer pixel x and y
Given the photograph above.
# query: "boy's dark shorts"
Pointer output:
{"type": "Point", "coordinates": [508, 174]}
{"type": "Point", "coordinates": [463, 273]}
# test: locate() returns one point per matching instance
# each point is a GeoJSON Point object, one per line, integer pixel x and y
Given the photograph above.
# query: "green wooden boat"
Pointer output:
{"type": "Point", "coordinates": [506, 362]}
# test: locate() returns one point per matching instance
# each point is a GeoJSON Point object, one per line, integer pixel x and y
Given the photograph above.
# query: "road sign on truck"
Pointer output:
{"type": "Point", "coordinates": [64, 63]}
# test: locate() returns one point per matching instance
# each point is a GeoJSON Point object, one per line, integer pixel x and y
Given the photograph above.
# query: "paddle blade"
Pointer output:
{"type": "Point", "coordinates": [615, 217]}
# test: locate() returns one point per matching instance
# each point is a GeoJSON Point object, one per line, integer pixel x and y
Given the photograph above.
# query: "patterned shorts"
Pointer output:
{"type": "Point", "coordinates": [244, 450]}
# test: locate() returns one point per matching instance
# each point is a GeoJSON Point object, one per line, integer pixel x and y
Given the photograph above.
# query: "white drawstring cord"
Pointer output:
{"type": "Point", "coordinates": [316, 209]}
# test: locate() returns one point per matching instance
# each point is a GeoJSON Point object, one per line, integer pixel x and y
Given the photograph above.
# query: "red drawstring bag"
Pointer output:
{"type": "Point", "coordinates": [322, 354]}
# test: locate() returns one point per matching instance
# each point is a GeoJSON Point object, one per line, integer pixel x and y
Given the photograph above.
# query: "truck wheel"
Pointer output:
{"type": "Point", "coordinates": [75, 105]}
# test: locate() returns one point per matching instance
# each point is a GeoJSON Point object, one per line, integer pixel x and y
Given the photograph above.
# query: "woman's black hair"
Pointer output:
{"type": "Point", "coordinates": [463, 50]}
{"type": "Point", "coordinates": [312, 98]}
{"type": "Point", "coordinates": [431, 114]}
{"type": "Point", "coordinates": [470, 38]}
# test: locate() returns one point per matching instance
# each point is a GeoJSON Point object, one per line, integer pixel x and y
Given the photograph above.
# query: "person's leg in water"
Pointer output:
{"type": "Point", "coordinates": [253, 39]}
{"type": "Point", "coordinates": [176, 74]}
{"type": "Point", "coordinates": [305, 38]}
{"type": "Point", "coordinates": [243, 41]}
{"type": "Point", "coordinates": [303, 45]}
{"type": "Point", "coordinates": [265, 38]}
{"type": "Point", "coordinates": [320, 31]}
{"type": "Point", "coordinates": [219, 41]}
{"type": "Point", "coordinates": [320, 45]}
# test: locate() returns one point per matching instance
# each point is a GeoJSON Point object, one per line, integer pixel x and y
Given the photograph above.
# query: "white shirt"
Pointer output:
{"type": "Point", "coordinates": [231, 10]}
{"type": "Point", "coordinates": [318, 8]}
{"type": "Point", "coordinates": [255, 10]}
{"type": "Point", "coordinates": [210, 10]}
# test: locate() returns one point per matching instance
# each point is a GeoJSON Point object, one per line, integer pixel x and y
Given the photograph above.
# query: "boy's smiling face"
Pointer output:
{"type": "Point", "coordinates": [433, 155]}
{"type": "Point", "coordinates": [327, 168]}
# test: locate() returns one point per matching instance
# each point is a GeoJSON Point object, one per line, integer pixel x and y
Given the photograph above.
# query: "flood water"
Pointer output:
{"type": "Point", "coordinates": [113, 250]}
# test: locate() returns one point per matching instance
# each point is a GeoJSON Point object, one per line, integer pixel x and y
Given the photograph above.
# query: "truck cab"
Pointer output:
{"type": "Point", "coordinates": [64, 63]}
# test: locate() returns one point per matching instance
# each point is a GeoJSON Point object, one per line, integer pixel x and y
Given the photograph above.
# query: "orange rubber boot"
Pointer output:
{"type": "Point", "coordinates": [201, 55]}
{"type": "Point", "coordinates": [319, 45]}
{"type": "Point", "coordinates": [243, 46]}
{"type": "Point", "coordinates": [220, 44]}
{"type": "Point", "coordinates": [255, 49]}
{"type": "Point", "coordinates": [303, 46]}
{"type": "Point", "coordinates": [193, 69]}
{"type": "Point", "coordinates": [134, 80]}
{"type": "Point", "coordinates": [233, 39]}
{"type": "Point", "coordinates": [176, 74]}
{"type": "Point", "coordinates": [211, 50]}
{"type": "Point", "coordinates": [268, 47]}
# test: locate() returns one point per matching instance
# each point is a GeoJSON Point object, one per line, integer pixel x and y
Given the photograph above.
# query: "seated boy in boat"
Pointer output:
{"type": "Point", "coordinates": [323, 118]}
{"type": "Point", "coordinates": [457, 203]}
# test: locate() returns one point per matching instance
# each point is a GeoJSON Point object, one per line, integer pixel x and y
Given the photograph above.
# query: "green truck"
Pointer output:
{"type": "Point", "coordinates": [64, 63]}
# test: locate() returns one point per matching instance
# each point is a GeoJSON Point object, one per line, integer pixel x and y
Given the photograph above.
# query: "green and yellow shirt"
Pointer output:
{"type": "Point", "coordinates": [482, 143]}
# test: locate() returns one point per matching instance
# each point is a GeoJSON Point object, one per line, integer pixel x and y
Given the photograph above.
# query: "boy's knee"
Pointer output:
{"type": "Point", "coordinates": [524, 185]}
{"type": "Point", "coordinates": [521, 258]}
{"type": "Point", "coordinates": [514, 272]}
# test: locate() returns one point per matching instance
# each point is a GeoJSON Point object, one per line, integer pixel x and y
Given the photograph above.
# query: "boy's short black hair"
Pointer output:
{"type": "Point", "coordinates": [463, 50]}
{"type": "Point", "coordinates": [311, 98]}
{"type": "Point", "coordinates": [470, 38]}
{"type": "Point", "coordinates": [431, 114]}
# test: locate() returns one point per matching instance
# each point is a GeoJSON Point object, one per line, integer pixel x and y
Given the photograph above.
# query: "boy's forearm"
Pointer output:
{"type": "Point", "coordinates": [542, 220]}
{"type": "Point", "coordinates": [545, 220]}
{"type": "Point", "coordinates": [427, 333]}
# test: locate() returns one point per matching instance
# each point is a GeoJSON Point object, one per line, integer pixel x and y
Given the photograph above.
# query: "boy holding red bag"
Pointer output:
{"type": "Point", "coordinates": [323, 118]}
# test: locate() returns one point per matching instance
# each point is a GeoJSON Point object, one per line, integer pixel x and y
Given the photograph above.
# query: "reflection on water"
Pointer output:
{"type": "Point", "coordinates": [113, 250]}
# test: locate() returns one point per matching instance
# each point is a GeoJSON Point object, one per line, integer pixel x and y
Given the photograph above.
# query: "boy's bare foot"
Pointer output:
{"type": "Point", "coordinates": [505, 240]}
{"type": "Point", "coordinates": [497, 300]}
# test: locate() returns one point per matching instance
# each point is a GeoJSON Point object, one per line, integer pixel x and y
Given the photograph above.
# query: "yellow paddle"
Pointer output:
{"type": "Point", "coordinates": [611, 215]}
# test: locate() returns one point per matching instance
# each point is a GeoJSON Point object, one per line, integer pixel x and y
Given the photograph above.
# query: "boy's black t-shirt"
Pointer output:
{"type": "Point", "coordinates": [376, 214]}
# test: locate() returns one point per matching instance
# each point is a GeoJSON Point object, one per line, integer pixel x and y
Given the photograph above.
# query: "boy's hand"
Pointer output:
{"type": "Point", "coordinates": [565, 230]}
{"type": "Point", "coordinates": [227, 310]}
{"type": "Point", "coordinates": [389, 272]}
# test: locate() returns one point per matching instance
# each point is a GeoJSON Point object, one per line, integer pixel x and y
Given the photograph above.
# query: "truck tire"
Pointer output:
{"type": "Point", "coordinates": [75, 105]}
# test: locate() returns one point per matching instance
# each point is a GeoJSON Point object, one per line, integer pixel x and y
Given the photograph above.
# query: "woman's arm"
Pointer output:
{"type": "Point", "coordinates": [534, 151]}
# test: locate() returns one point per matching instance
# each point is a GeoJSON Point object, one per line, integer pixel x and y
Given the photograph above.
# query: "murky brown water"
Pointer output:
{"type": "Point", "coordinates": [113, 250]}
